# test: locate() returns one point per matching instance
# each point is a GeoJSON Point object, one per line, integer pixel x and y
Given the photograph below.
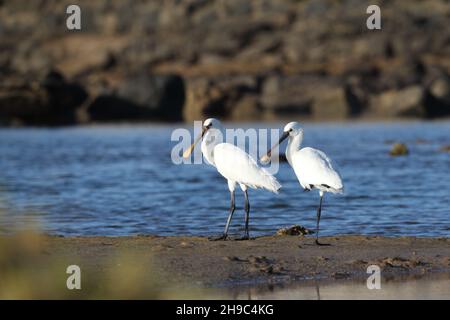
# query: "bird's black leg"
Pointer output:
{"type": "Point", "coordinates": [319, 211]}
{"type": "Point", "coordinates": [247, 215]}
{"type": "Point", "coordinates": [230, 216]}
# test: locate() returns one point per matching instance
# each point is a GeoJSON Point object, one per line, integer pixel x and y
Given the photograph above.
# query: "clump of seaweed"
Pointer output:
{"type": "Point", "coordinates": [399, 149]}
{"type": "Point", "coordinates": [295, 230]}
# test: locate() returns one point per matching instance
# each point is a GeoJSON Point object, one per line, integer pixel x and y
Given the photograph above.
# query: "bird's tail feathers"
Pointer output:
{"type": "Point", "coordinates": [270, 183]}
{"type": "Point", "coordinates": [337, 191]}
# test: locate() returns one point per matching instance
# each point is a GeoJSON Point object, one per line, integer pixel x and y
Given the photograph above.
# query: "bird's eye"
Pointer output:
{"type": "Point", "coordinates": [290, 130]}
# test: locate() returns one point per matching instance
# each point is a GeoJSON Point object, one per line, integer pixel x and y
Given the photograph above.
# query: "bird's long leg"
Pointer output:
{"type": "Point", "coordinates": [319, 211]}
{"type": "Point", "coordinates": [247, 217]}
{"type": "Point", "coordinates": [230, 216]}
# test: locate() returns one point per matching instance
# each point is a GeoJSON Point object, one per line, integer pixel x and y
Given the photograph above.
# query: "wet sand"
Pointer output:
{"type": "Point", "coordinates": [264, 261]}
{"type": "Point", "coordinates": [418, 287]}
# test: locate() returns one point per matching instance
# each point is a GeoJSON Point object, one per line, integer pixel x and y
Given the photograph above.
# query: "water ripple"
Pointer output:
{"type": "Point", "coordinates": [120, 181]}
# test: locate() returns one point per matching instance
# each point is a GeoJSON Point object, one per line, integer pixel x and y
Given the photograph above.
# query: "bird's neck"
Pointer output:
{"type": "Point", "coordinates": [292, 147]}
{"type": "Point", "coordinates": [210, 140]}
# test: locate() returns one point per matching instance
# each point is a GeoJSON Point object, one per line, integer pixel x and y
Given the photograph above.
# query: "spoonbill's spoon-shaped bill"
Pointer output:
{"type": "Point", "coordinates": [188, 151]}
{"type": "Point", "coordinates": [267, 157]}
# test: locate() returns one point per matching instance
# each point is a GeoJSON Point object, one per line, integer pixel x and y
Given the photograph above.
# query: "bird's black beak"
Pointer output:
{"type": "Point", "coordinates": [204, 129]}
{"type": "Point", "coordinates": [189, 150]}
{"type": "Point", "coordinates": [268, 155]}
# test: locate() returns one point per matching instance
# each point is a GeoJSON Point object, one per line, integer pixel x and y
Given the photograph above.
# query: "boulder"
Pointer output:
{"type": "Point", "coordinates": [110, 107]}
{"type": "Point", "coordinates": [285, 96]}
{"type": "Point", "coordinates": [312, 95]}
{"type": "Point", "coordinates": [407, 102]}
{"type": "Point", "coordinates": [63, 97]}
{"type": "Point", "coordinates": [405, 72]}
{"type": "Point", "coordinates": [437, 98]}
{"type": "Point", "coordinates": [331, 103]}
{"type": "Point", "coordinates": [22, 106]}
{"type": "Point", "coordinates": [51, 101]}
{"type": "Point", "coordinates": [141, 97]}
{"type": "Point", "coordinates": [440, 88]}
{"type": "Point", "coordinates": [247, 109]}
{"type": "Point", "coordinates": [220, 97]}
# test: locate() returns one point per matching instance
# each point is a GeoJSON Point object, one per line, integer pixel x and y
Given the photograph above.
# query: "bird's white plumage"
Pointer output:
{"type": "Point", "coordinates": [313, 167]}
{"type": "Point", "coordinates": [235, 165]}
{"type": "Point", "coordinates": [238, 166]}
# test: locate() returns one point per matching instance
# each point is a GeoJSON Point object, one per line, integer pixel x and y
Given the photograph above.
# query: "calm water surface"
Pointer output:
{"type": "Point", "coordinates": [398, 288]}
{"type": "Point", "coordinates": [120, 180]}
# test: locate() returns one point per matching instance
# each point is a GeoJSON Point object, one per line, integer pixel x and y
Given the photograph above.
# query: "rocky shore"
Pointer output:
{"type": "Point", "coordinates": [237, 60]}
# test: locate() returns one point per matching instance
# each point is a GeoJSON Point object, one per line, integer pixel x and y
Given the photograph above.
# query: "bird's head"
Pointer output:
{"type": "Point", "coordinates": [290, 130]}
{"type": "Point", "coordinates": [207, 125]}
{"type": "Point", "coordinates": [212, 123]}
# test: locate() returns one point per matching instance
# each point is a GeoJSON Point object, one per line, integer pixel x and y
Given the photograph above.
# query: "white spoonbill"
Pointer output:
{"type": "Point", "coordinates": [314, 170]}
{"type": "Point", "coordinates": [235, 165]}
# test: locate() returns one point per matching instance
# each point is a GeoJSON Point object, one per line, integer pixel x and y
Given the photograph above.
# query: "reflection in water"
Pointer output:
{"type": "Point", "coordinates": [413, 287]}
{"type": "Point", "coordinates": [119, 180]}
{"type": "Point", "coordinates": [317, 290]}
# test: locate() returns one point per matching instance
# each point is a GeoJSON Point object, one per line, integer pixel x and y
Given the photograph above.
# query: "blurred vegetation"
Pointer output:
{"type": "Point", "coordinates": [30, 269]}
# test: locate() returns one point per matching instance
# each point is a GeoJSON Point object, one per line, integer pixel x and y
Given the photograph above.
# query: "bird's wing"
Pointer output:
{"type": "Point", "coordinates": [313, 167]}
{"type": "Point", "coordinates": [235, 164]}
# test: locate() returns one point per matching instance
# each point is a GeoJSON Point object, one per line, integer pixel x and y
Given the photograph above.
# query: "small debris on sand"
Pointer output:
{"type": "Point", "coordinates": [399, 149]}
{"type": "Point", "coordinates": [294, 230]}
{"type": "Point", "coordinates": [322, 258]}
{"type": "Point", "coordinates": [398, 262]}
{"type": "Point", "coordinates": [264, 259]}
{"type": "Point", "coordinates": [357, 262]}
{"type": "Point", "coordinates": [185, 244]}
{"type": "Point", "coordinates": [233, 258]}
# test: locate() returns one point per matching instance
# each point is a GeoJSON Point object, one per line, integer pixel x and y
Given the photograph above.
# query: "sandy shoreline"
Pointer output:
{"type": "Point", "coordinates": [265, 260]}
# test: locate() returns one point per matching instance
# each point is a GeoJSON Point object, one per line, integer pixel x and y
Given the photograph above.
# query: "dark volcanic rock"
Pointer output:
{"type": "Point", "coordinates": [331, 103]}
{"type": "Point", "coordinates": [313, 95]}
{"type": "Point", "coordinates": [141, 97]}
{"type": "Point", "coordinates": [437, 99]}
{"type": "Point", "coordinates": [242, 60]}
{"type": "Point", "coordinates": [408, 102]}
{"type": "Point", "coordinates": [286, 96]}
{"type": "Point", "coordinates": [63, 98]}
{"type": "Point", "coordinates": [220, 97]}
{"type": "Point", "coordinates": [53, 101]}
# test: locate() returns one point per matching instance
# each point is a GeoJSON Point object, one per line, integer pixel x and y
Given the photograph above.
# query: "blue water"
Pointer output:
{"type": "Point", "coordinates": [120, 180]}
